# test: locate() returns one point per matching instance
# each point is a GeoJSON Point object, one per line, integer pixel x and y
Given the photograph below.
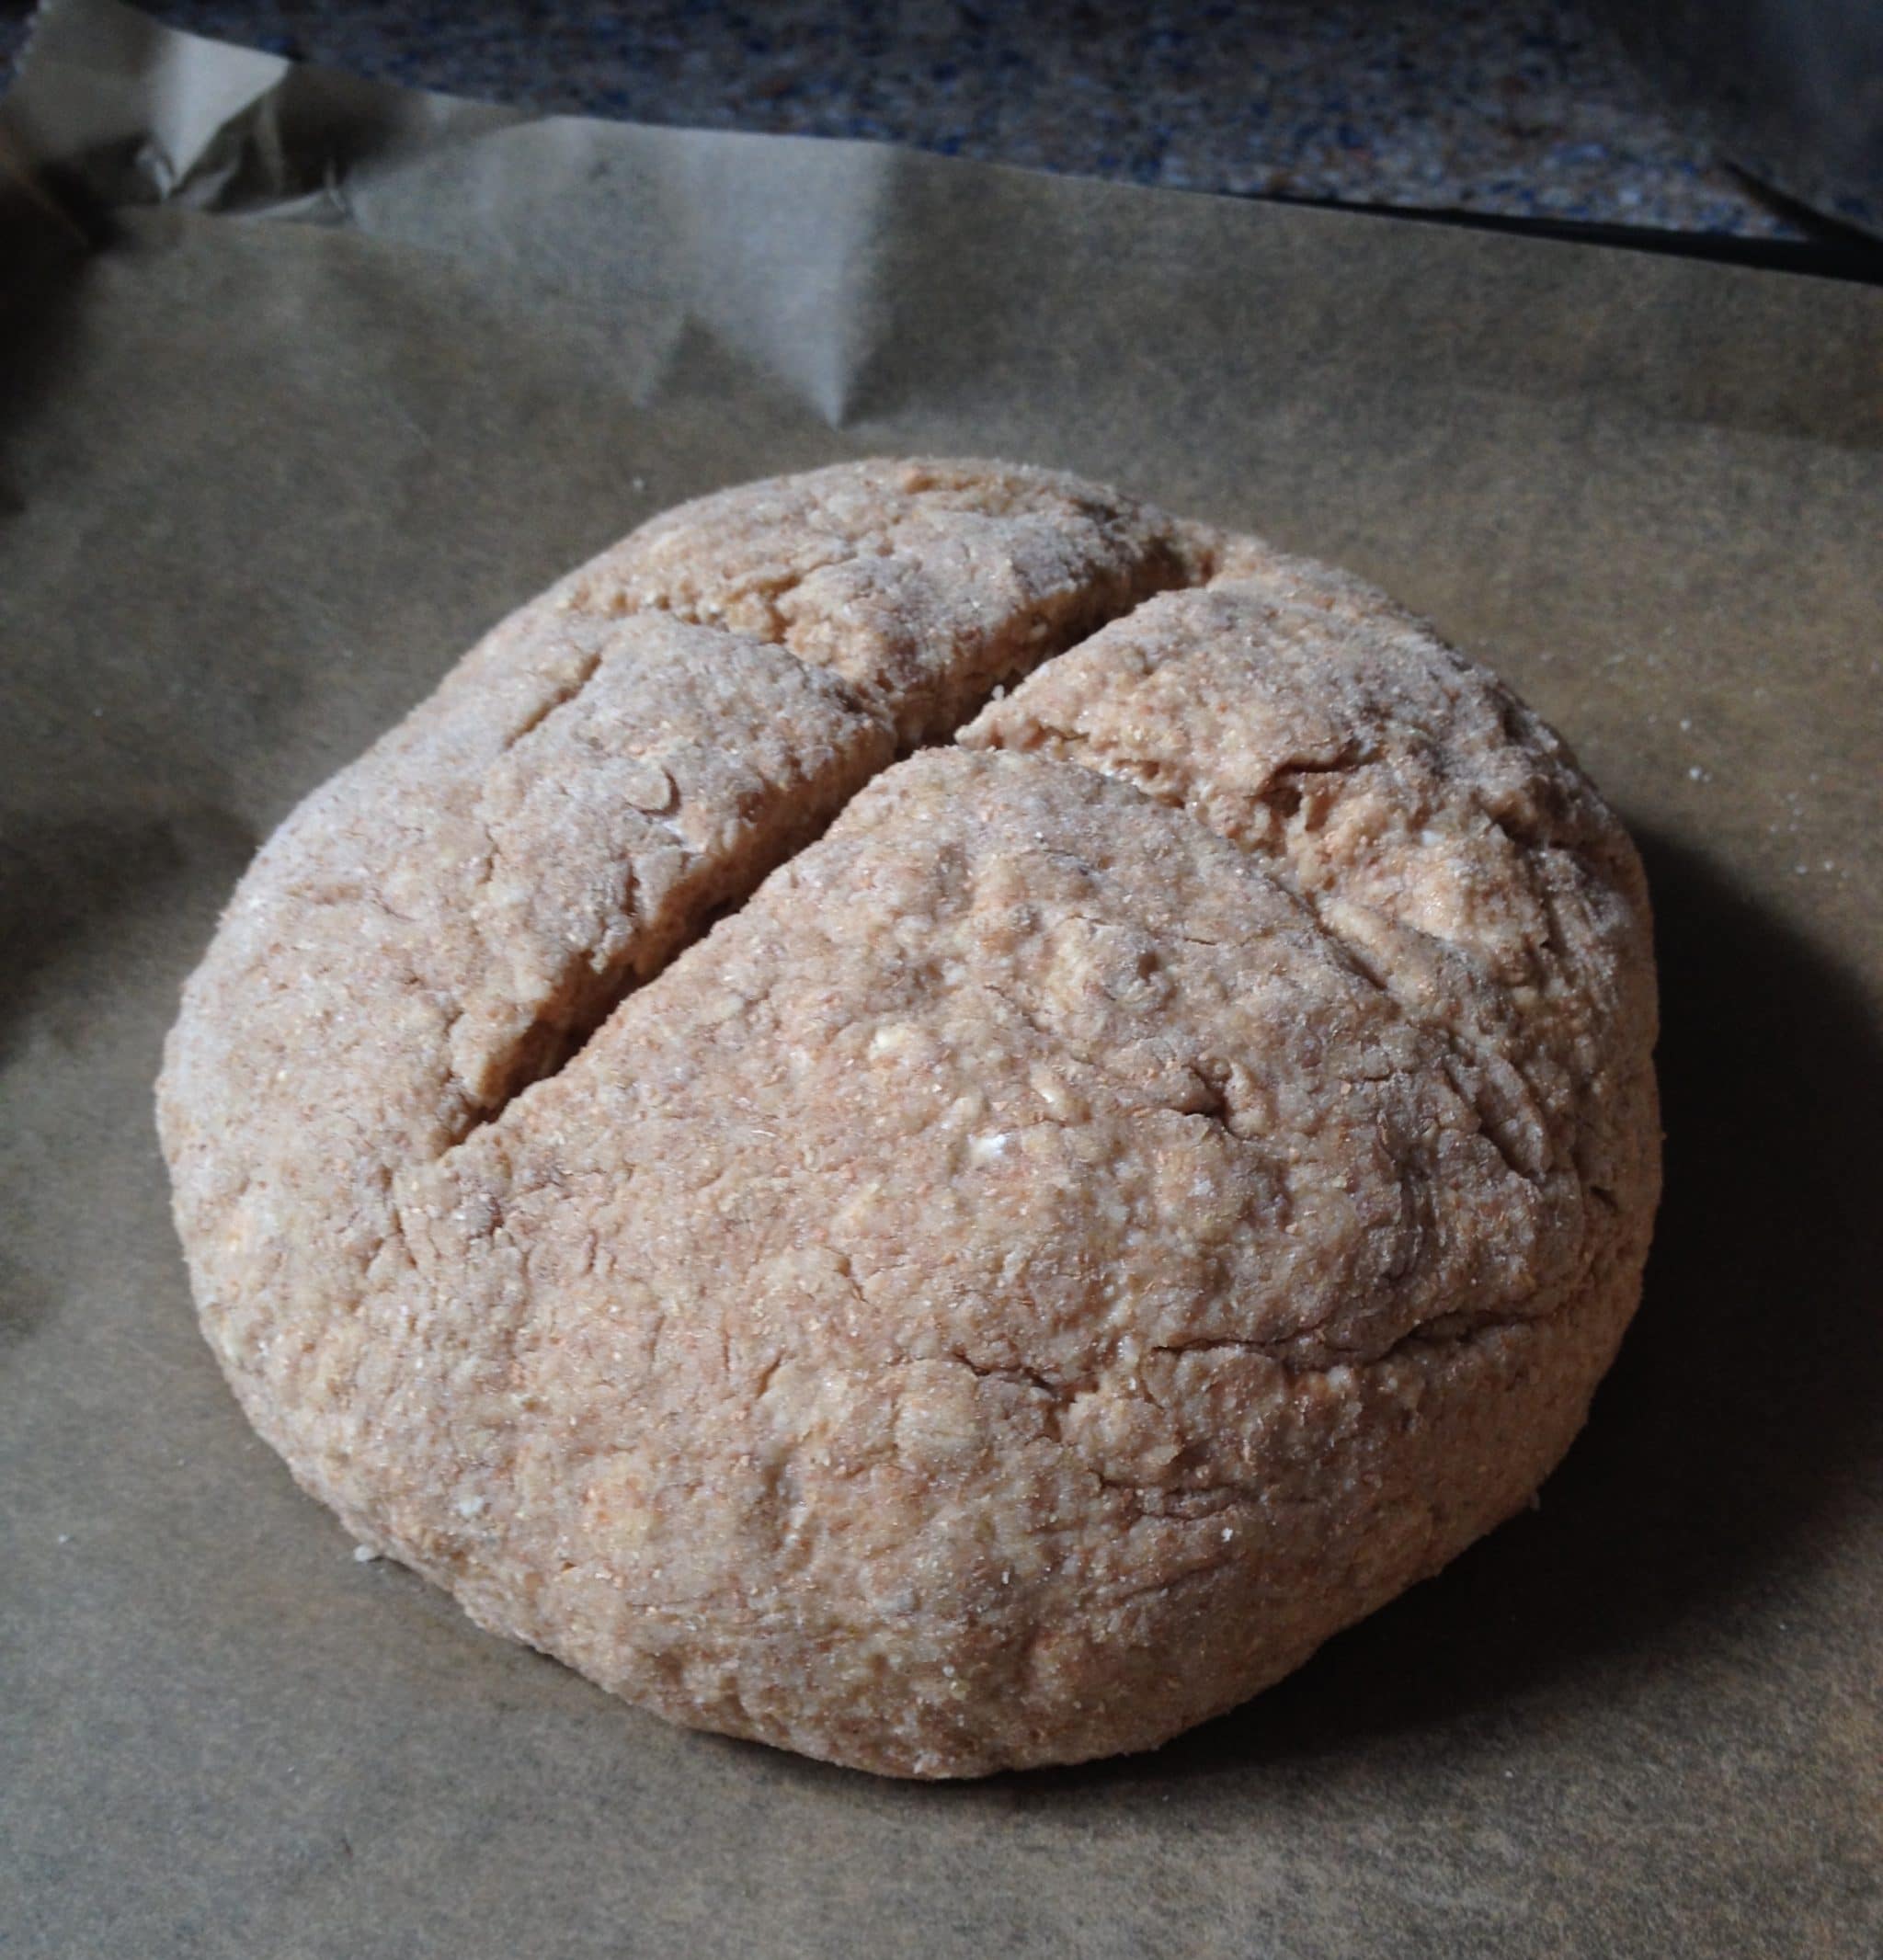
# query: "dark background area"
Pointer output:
{"type": "Point", "coordinates": [1528, 110]}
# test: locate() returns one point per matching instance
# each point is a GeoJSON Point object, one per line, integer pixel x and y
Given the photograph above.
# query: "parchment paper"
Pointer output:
{"type": "Point", "coordinates": [304, 382]}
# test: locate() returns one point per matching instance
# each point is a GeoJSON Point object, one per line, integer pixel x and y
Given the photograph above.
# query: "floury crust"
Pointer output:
{"type": "Point", "coordinates": [1118, 1194]}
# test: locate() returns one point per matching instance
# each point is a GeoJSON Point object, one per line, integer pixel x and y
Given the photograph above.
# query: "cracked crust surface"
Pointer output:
{"type": "Point", "coordinates": [1143, 1185]}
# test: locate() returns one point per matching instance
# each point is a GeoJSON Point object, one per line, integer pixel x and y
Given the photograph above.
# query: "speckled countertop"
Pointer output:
{"type": "Point", "coordinates": [1523, 110]}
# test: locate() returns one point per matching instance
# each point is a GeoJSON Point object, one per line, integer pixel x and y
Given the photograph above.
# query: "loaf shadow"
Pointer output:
{"type": "Point", "coordinates": [1739, 1424]}
{"type": "Point", "coordinates": [69, 887]}
{"type": "Point", "coordinates": [67, 881]}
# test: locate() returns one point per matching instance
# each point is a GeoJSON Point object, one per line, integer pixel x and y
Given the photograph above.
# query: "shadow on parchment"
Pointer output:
{"type": "Point", "coordinates": [1746, 1407]}
{"type": "Point", "coordinates": [46, 243]}
{"type": "Point", "coordinates": [75, 894]}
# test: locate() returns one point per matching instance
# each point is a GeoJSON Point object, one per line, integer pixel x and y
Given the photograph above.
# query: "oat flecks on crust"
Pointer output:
{"type": "Point", "coordinates": [1113, 1200]}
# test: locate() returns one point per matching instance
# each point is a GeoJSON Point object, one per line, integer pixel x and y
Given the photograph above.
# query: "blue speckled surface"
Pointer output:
{"type": "Point", "coordinates": [1523, 110]}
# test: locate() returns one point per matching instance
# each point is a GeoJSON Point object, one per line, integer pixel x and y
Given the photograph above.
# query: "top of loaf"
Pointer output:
{"type": "Point", "coordinates": [1151, 973]}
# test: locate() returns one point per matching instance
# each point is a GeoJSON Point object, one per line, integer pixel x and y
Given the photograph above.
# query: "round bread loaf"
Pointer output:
{"type": "Point", "coordinates": [943, 1264]}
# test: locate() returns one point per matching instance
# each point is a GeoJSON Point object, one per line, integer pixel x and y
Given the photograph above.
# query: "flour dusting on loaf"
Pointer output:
{"type": "Point", "coordinates": [931, 1116]}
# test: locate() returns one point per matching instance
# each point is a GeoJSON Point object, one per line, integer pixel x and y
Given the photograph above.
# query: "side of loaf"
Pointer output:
{"type": "Point", "coordinates": [931, 1116]}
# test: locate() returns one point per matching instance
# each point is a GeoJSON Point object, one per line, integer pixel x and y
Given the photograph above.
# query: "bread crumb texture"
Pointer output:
{"type": "Point", "coordinates": [946, 1263]}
